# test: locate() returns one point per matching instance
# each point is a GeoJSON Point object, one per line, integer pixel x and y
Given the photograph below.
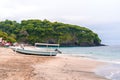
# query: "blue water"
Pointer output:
{"type": "Point", "coordinates": [109, 54]}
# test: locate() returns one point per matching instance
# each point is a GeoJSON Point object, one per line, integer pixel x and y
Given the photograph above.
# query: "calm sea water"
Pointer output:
{"type": "Point", "coordinates": [109, 54]}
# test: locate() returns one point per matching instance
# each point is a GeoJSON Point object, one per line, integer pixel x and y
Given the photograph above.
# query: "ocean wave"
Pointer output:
{"type": "Point", "coordinates": [111, 71]}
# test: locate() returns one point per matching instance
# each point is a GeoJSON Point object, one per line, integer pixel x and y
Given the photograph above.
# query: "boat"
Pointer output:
{"type": "Point", "coordinates": [34, 50]}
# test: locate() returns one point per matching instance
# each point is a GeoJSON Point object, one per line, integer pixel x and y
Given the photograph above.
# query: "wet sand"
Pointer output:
{"type": "Point", "coordinates": [16, 66]}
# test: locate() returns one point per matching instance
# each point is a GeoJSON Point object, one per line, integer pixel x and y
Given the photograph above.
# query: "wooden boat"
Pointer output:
{"type": "Point", "coordinates": [36, 50]}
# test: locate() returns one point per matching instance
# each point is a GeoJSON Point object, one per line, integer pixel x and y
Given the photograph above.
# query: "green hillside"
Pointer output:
{"type": "Point", "coordinates": [32, 31]}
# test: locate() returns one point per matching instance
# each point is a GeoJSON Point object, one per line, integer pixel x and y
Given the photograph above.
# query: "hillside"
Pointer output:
{"type": "Point", "coordinates": [34, 30]}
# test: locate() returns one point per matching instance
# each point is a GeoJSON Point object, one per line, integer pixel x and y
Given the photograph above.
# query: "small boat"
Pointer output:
{"type": "Point", "coordinates": [37, 50]}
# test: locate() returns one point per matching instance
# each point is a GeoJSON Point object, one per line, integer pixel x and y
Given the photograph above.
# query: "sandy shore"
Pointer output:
{"type": "Point", "coordinates": [15, 66]}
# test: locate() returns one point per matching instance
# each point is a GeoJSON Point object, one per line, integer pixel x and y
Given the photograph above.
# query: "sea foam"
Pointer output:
{"type": "Point", "coordinates": [111, 71]}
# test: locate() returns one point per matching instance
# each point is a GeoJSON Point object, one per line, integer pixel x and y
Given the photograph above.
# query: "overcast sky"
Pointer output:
{"type": "Point", "coordinates": [101, 16]}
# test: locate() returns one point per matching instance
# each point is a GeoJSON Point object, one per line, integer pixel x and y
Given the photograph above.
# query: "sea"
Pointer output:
{"type": "Point", "coordinates": [110, 54]}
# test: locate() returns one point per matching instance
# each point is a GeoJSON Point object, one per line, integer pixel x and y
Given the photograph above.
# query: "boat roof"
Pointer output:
{"type": "Point", "coordinates": [45, 44]}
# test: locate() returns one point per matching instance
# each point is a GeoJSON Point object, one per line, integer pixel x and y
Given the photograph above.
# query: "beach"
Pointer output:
{"type": "Point", "coordinates": [16, 66]}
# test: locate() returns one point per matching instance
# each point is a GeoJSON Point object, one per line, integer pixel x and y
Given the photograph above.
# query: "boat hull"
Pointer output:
{"type": "Point", "coordinates": [34, 51]}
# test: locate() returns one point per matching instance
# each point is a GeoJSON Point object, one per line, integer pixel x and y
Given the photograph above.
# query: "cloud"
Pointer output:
{"type": "Point", "coordinates": [90, 13]}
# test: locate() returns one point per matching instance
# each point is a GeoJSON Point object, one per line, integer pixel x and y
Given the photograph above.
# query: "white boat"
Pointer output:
{"type": "Point", "coordinates": [45, 51]}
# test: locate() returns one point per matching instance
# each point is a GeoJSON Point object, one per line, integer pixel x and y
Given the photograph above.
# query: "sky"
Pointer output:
{"type": "Point", "coordinates": [101, 16]}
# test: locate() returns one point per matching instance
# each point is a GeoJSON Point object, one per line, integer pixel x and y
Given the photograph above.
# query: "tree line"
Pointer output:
{"type": "Point", "coordinates": [44, 31]}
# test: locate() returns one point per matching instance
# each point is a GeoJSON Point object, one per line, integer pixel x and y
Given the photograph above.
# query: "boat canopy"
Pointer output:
{"type": "Point", "coordinates": [45, 44]}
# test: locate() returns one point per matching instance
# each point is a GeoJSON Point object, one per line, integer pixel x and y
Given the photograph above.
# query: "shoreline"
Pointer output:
{"type": "Point", "coordinates": [15, 66]}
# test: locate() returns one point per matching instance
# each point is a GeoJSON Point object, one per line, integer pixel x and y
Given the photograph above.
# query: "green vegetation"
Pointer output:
{"type": "Point", "coordinates": [32, 31]}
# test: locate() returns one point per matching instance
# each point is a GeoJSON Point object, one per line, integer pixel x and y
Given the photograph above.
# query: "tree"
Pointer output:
{"type": "Point", "coordinates": [34, 30]}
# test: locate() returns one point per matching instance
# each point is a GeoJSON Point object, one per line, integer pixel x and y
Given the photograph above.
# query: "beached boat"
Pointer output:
{"type": "Point", "coordinates": [44, 51]}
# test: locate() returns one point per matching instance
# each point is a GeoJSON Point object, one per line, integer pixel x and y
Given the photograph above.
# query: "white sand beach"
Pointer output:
{"type": "Point", "coordinates": [16, 66]}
